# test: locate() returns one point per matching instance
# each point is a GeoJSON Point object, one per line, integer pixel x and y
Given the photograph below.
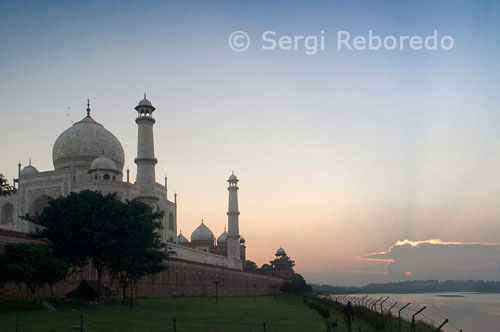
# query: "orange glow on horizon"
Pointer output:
{"type": "Point", "coordinates": [367, 257]}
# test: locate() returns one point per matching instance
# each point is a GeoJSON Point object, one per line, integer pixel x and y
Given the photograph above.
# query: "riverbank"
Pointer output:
{"type": "Point", "coordinates": [194, 314]}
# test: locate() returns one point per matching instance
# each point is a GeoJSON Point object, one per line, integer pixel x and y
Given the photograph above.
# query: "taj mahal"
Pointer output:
{"type": "Point", "coordinates": [87, 156]}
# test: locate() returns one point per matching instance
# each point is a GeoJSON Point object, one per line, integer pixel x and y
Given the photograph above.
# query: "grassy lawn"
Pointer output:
{"type": "Point", "coordinates": [193, 314]}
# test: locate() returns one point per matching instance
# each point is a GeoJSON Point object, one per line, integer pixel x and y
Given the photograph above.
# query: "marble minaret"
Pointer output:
{"type": "Point", "coordinates": [146, 161]}
{"type": "Point", "coordinates": [233, 243]}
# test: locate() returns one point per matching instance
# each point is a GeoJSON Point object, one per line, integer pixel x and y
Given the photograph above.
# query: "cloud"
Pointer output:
{"type": "Point", "coordinates": [436, 259]}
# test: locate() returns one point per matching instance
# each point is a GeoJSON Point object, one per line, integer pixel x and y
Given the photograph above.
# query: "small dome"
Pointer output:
{"type": "Point", "coordinates": [242, 240]}
{"type": "Point", "coordinates": [222, 239]}
{"type": "Point", "coordinates": [182, 239]}
{"type": "Point", "coordinates": [145, 102]}
{"type": "Point", "coordinates": [29, 170]}
{"type": "Point", "coordinates": [233, 178]}
{"type": "Point", "coordinates": [280, 252]}
{"type": "Point", "coordinates": [104, 163]}
{"type": "Point", "coordinates": [202, 233]}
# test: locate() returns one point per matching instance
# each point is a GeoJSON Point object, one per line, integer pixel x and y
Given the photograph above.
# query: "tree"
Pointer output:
{"type": "Point", "coordinates": [250, 266]}
{"type": "Point", "coordinates": [120, 237]}
{"type": "Point", "coordinates": [83, 226]}
{"type": "Point", "coordinates": [296, 285]}
{"type": "Point", "coordinates": [54, 270]}
{"type": "Point", "coordinates": [266, 267]}
{"type": "Point", "coordinates": [31, 264]}
{"type": "Point", "coordinates": [300, 283]}
{"type": "Point", "coordinates": [5, 188]}
{"type": "Point", "coordinates": [137, 247]}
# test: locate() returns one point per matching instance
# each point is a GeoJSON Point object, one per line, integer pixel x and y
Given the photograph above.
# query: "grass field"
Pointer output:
{"type": "Point", "coordinates": [287, 313]}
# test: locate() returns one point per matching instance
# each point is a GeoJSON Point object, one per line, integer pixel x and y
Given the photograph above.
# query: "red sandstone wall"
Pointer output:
{"type": "Point", "coordinates": [183, 278]}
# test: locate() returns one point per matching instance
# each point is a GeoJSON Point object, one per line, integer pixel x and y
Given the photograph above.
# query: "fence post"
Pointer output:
{"type": "Point", "coordinates": [399, 314]}
{"type": "Point", "coordinates": [81, 323]}
{"type": "Point", "coordinates": [217, 292]}
{"type": "Point", "coordinates": [413, 319]}
{"type": "Point", "coordinates": [264, 325]}
{"type": "Point", "coordinates": [389, 315]}
{"type": "Point", "coordinates": [381, 303]}
{"type": "Point", "coordinates": [365, 305]}
{"type": "Point", "coordinates": [374, 311]}
{"type": "Point", "coordinates": [382, 310]}
{"type": "Point", "coordinates": [444, 323]}
{"type": "Point", "coordinates": [175, 325]}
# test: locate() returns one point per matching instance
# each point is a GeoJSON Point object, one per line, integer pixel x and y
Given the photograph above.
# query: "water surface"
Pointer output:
{"type": "Point", "coordinates": [471, 312]}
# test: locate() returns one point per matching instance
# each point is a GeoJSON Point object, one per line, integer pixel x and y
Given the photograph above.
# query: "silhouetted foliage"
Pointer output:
{"type": "Point", "coordinates": [137, 247]}
{"type": "Point", "coordinates": [288, 287]}
{"type": "Point", "coordinates": [31, 264]}
{"type": "Point", "coordinates": [5, 188]}
{"type": "Point", "coordinates": [91, 226]}
{"type": "Point", "coordinates": [266, 267]}
{"type": "Point", "coordinates": [296, 285]}
{"type": "Point", "coordinates": [324, 312]}
{"type": "Point", "coordinates": [250, 266]}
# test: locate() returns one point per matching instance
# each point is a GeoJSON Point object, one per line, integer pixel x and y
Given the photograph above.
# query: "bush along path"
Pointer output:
{"type": "Point", "coordinates": [334, 317]}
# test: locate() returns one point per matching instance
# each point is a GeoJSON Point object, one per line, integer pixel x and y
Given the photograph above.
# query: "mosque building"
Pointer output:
{"type": "Point", "coordinates": [87, 156]}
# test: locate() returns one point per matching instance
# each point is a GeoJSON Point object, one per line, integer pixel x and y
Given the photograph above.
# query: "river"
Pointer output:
{"type": "Point", "coordinates": [471, 312]}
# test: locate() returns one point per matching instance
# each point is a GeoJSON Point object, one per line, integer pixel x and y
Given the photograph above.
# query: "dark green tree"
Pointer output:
{"type": "Point", "coordinates": [31, 264]}
{"type": "Point", "coordinates": [82, 226]}
{"type": "Point", "coordinates": [54, 270]}
{"type": "Point", "coordinates": [296, 285]}
{"type": "Point", "coordinates": [250, 266]}
{"type": "Point", "coordinates": [137, 249]}
{"type": "Point", "coordinates": [266, 267]}
{"type": "Point", "coordinates": [5, 188]}
{"type": "Point", "coordinates": [300, 283]}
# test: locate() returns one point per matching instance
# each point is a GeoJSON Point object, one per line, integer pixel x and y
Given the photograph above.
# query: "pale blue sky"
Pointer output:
{"type": "Point", "coordinates": [340, 153]}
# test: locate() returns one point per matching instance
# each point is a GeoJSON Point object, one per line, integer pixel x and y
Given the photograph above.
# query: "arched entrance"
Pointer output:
{"type": "Point", "coordinates": [7, 214]}
{"type": "Point", "coordinates": [36, 208]}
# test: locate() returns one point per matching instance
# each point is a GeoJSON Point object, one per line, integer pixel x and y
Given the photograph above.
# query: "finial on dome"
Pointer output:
{"type": "Point", "coordinates": [30, 162]}
{"type": "Point", "coordinates": [145, 95]}
{"type": "Point", "coordinates": [88, 107]}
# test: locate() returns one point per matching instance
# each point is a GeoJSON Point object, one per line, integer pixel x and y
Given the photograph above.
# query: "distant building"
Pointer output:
{"type": "Point", "coordinates": [203, 239]}
{"type": "Point", "coordinates": [280, 267]}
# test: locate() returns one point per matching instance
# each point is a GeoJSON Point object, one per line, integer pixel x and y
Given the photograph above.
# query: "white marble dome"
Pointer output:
{"type": "Point", "coordinates": [85, 141]}
{"type": "Point", "coordinates": [202, 233]}
{"type": "Point", "coordinates": [29, 170]}
{"type": "Point", "coordinates": [103, 163]}
{"type": "Point", "coordinates": [222, 238]}
{"type": "Point", "coordinates": [182, 239]}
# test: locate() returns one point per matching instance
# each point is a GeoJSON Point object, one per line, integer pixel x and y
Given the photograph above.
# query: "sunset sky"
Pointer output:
{"type": "Point", "coordinates": [340, 154]}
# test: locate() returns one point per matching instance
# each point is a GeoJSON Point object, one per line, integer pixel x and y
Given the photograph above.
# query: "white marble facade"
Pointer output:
{"type": "Point", "coordinates": [85, 156]}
